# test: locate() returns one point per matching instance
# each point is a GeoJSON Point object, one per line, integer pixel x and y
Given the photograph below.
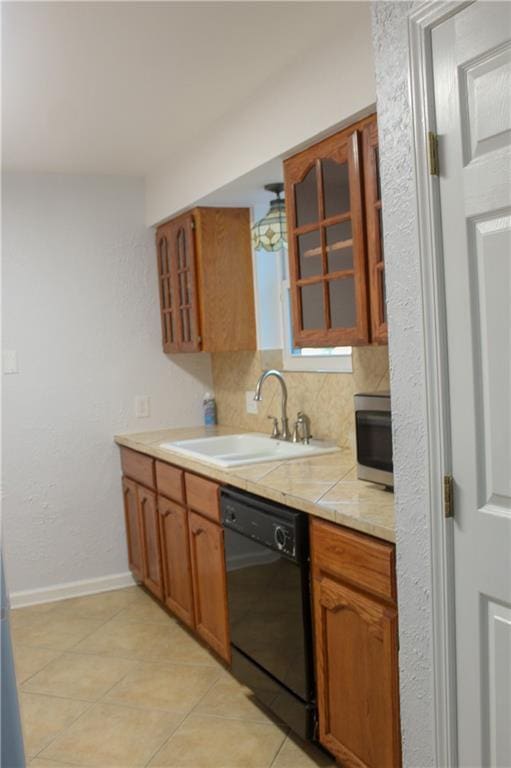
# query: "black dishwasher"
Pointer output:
{"type": "Point", "coordinates": [267, 559]}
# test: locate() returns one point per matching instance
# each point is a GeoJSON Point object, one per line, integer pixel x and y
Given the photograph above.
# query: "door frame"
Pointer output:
{"type": "Point", "coordinates": [421, 22]}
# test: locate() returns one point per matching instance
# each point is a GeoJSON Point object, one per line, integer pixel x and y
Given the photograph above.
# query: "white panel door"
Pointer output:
{"type": "Point", "coordinates": [472, 75]}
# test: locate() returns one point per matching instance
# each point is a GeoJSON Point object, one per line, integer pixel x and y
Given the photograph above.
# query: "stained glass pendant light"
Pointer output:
{"type": "Point", "coordinates": [270, 232]}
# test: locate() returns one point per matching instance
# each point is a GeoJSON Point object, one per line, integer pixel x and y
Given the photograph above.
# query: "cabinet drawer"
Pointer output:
{"type": "Point", "coordinates": [169, 481]}
{"type": "Point", "coordinates": [203, 496]}
{"type": "Point", "coordinates": [138, 466]}
{"type": "Point", "coordinates": [354, 558]}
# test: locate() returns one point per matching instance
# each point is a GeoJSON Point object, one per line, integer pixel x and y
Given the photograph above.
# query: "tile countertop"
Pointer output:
{"type": "Point", "coordinates": [323, 486]}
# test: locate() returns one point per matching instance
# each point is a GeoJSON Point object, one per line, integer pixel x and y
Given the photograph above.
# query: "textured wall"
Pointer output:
{"type": "Point", "coordinates": [327, 398]}
{"type": "Point", "coordinates": [81, 308]}
{"type": "Point", "coordinates": [406, 350]}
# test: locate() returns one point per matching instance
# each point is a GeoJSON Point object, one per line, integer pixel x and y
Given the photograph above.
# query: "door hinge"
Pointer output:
{"type": "Point", "coordinates": [448, 496]}
{"type": "Point", "coordinates": [434, 169]}
{"type": "Point", "coordinates": [192, 223]}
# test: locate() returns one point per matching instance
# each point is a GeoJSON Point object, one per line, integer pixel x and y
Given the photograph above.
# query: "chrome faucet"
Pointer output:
{"type": "Point", "coordinates": [284, 428]}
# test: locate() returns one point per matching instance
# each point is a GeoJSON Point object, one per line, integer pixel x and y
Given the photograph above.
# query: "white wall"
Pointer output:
{"type": "Point", "coordinates": [80, 307]}
{"type": "Point", "coordinates": [320, 90]}
{"type": "Point", "coordinates": [408, 380]}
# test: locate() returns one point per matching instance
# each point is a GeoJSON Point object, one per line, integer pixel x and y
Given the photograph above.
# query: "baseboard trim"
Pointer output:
{"type": "Point", "coordinates": [71, 589]}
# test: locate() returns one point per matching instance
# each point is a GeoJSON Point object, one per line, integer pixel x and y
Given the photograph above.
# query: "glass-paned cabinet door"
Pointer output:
{"type": "Point", "coordinates": [186, 295]}
{"type": "Point", "coordinates": [375, 256]}
{"type": "Point", "coordinates": [176, 277]}
{"type": "Point", "coordinates": [327, 243]}
{"type": "Point", "coordinates": [166, 287]}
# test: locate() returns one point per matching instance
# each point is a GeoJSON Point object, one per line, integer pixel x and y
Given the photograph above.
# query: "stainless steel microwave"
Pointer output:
{"type": "Point", "coordinates": [373, 432]}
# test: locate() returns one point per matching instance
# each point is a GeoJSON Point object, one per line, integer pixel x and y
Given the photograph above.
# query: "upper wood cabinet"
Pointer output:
{"type": "Point", "coordinates": [375, 263]}
{"type": "Point", "coordinates": [330, 236]}
{"type": "Point", "coordinates": [205, 281]}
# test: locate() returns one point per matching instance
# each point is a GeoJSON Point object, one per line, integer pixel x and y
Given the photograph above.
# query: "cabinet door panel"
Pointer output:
{"type": "Point", "coordinates": [151, 541]}
{"type": "Point", "coordinates": [183, 243]}
{"type": "Point", "coordinates": [133, 528]}
{"type": "Point", "coordinates": [168, 300]}
{"type": "Point", "coordinates": [209, 583]}
{"type": "Point", "coordinates": [177, 572]}
{"type": "Point", "coordinates": [356, 655]}
{"type": "Point", "coordinates": [326, 241]}
{"type": "Point", "coordinates": [375, 257]}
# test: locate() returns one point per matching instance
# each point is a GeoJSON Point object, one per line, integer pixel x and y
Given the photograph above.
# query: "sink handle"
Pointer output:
{"type": "Point", "coordinates": [275, 433]}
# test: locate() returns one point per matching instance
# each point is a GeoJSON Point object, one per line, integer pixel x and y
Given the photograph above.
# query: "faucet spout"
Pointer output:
{"type": "Point", "coordinates": [284, 432]}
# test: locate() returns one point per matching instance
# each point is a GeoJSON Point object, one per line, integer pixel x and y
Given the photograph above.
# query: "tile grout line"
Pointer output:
{"type": "Point", "coordinates": [29, 678]}
{"type": "Point", "coordinates": [279, 750]}
{"type": "Point", "coordinates": [86, 710]}
{"type": "Point", "coordinates": [186, 716]}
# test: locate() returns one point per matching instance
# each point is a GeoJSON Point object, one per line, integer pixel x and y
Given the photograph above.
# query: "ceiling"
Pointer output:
{"type": "Point", "coordinates": [122, 87]}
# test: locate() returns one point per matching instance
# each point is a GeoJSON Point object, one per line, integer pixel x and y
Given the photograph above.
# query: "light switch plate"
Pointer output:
{"type": "Point", "coordinates": [142, 406]}
{"type": "Point", "coordinates": [10, 361]}
{"type": "Point", "coordinates": [251, 404]}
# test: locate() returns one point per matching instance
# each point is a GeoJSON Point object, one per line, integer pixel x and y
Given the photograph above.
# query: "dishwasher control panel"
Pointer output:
{"type": "Point", "coordinates": [273, 525]}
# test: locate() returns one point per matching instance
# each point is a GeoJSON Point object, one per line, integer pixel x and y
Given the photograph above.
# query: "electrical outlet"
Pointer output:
{"type": "Point", "coordinates": [142, 407]}
{"type": "Point", "coordinates": [251, 404]}
{"type": "Point", "coordinates": [10, 361]}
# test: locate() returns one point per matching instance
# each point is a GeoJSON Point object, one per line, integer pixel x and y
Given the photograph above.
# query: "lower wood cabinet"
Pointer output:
{"type": "Point", "coordinates": [356, 645]}
{"type": "Point", "coordinates": [175, 551]}
{"type": "Point", "coordinates": [176, 546]}
{"type": "Point", "coordinates": [133, 528]}
{"type": "Point", "coordinates": [143, 536]}
{"type": "Point", "coordinates": [209, 583]}
{"type": "Point", "coordinates": [150, 541]}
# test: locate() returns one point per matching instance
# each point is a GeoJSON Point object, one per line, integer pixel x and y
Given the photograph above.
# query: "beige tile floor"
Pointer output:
{"type": "Point", "coordinates": [113, 681]}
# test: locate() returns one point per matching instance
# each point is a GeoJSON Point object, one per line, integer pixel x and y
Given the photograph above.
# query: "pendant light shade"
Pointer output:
{"type": "Point", "coordinates": [270, 232]}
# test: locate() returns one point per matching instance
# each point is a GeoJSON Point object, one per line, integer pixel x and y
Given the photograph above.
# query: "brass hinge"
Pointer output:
{"type": "Point", "coordinates": [448, 496]}
{"type": "Point", "coordinates": [192, 223]}
{"type": "Point", "coordinates": [434, 168]}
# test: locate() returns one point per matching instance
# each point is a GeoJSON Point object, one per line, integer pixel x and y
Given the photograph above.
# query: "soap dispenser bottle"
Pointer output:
{"type": "Point", "coordinates": [209, 406]}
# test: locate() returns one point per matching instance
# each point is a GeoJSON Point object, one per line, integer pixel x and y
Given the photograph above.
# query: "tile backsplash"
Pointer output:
{"type": "Point", "coordinates": [327, 398]}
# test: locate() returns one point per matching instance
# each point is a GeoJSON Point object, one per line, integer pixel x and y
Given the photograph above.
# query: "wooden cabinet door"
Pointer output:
{"type": "Point", "coordinates": [175, 549]}
{"type": "Point", "coordinates": [209, 583]}
{"type": "Point", "coordinates": [357, 671]}
{"type": "Point", "coordinates": [375, 261]}
{"type": "Point", "coordinates": [166, 280]}
{"type": "Point", "coordinates": [150, 541]}
{"type": "Point", "coordinates": [175, 247]}
{"type": "Point", "coordinates": [133, 528]}
{"type": "Point", "coordinates": [183, 245]}
{"type": "Point", "coordinates": [327, 258]}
